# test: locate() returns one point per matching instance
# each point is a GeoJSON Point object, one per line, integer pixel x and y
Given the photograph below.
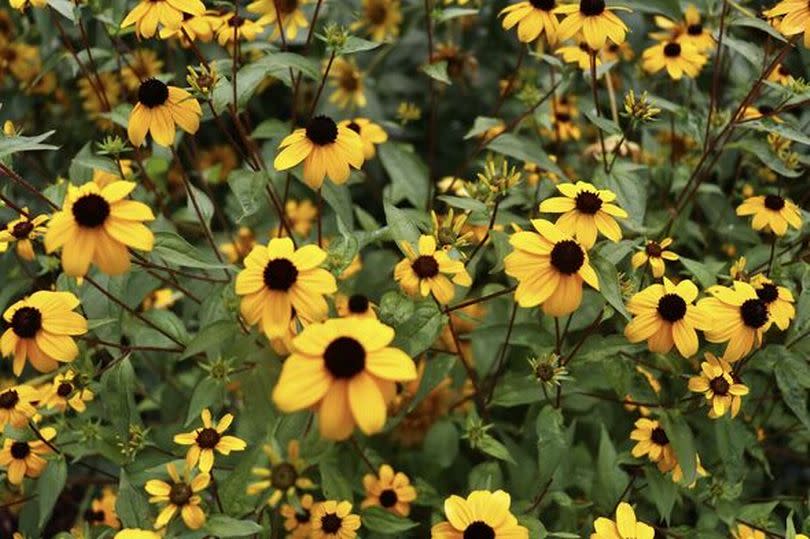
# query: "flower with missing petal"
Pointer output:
{"type": "Point", "coordinates": [206, 440]}
{"type": "Point", "coordinates": [430, 271]}
{"type": "Point", "coordinates": [181, 495]}
{"type": "Point", "coordinates": [718, 384]}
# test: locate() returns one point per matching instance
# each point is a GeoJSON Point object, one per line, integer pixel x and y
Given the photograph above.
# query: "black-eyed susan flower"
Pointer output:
{"type": "Point", "coordinates": [22, 232]}
{"type": "Point", "coordinates": [586, 212]}
{"type": "Point", "coordinates": [772, 213]}
{"type": "Point", "coordinates": [739, 317]}
{"type": "Point", "coordinates": [235, 27]}
{"type": "Point", "coordinates": [298, 517]}
{"type": "Point", "coordinates": [325, 148]}
{"type": "Point", "coordinates": [97, 225]}
{"type": "Point", "coordinates": [242, 243]}
{"type": "Point", "coordinates": [718, 384]}
{"type": "Point", "coordinates": [625, 526]}
{"type": "Point", "coordinates": [286, 475]}
{"type": "Point", "coordinates": [148, 14]}
{"type": "Point", "coordinates": [795, 18]}
{"type": "Point", "coordinates": [23, 458]}
{"type": "Point", "coordinates": [655, 254]}
{"type": "Point", "coordinates": [679, 58]}
{"type": "Point", "coordinates": [67, 391]}
{"type": "Point", "coordinates": [380, 19]}
{"type": "Point", "coordinates": [481, 514]}
{"type": "Point", "coordinates": [17, 405]}
{"type": "Point", "coordinates": [279, 278]}
{"type": "Point", "coordinates": [207, 440]}
{"type": "Point", "coordinates": [89, 90]}
{"type": "Point", "coordinates": [142, 64]}
{"type": "Point", "coordinates": [160, 110]}
{"type": "Point", "coordinates": [550, 267]}
{"type": "Point", "coordinates": [41, 329]}
{"type": "Point", "coordinates": [665, 315]}
{"type": "Point", "coordinates": [778, 299]}
{"type": "Point", "coordinates": [595, 20]}
{"type": "Point", "coordinates": [615, 53]}
{"type": "Point", "coordinates": [301, 215]}
{"type": "Point", "coordinates": [652, 441]}
{"type": "Point", "coordinates": [194, 27]}
{"type": "Point", "coordinates": [334, 520]}
{"type": "Point", "coordinates": [346, 371]}
{"type": "Point", "coordinates": [426, 271]}
{"type": "Point", "coordinates": [292, 17]}
{"type": "Point", "coordinates": [746, 532]}
{"type": "Point", "coordinates": [370, 133]}
{"type": "Point", "coordinates": [781, 75]}
{"type": "Point", "coordinates": [102, 510]}
{"type": "Point", "coordinates": [347, 81]}
{"type": "Point", "coordinates": [690, 30]}
{"type": "Point", "coordinates": [390, 490]}
{"type": "Point", "coordinates": [533, 18]}
{"type": "Point", "coordinates": [563, 121]}
{"type": "Point", "coordinates": [181, 495]}
{"type": "Point", "coordinates": [355, 305]}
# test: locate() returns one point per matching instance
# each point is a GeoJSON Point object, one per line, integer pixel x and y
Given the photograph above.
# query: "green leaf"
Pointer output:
{"type": "Point", "coordinates": [210, 339]}
{"type": "Point", "coordinates": [442, 443]}
{"type": "Point", "coordinates": [408, 173]}
{"type": "Point", "coordinates": [470, 204]}
{"type": "Point", "coordinates": [630, 189]}
{"type": "Point", "coordinates": [759, 24]}
{"type": "Point", "coordinates": [609, 283]}
{"type": "Point", "coordinates": [248, 188]}
{"type": "Point", "coordinates": [205, 394]}
{"type": "Point", "coordinates": [551, 443]}
{"type": "Point", "coordinates": [131, 505]}
{"type": "Point", "coordinates": [705, 275]}
{"type": "Point", "coordinates": [663, 491]}
{"type": "Point", "coordinates": [605, 124]}
{"type": "Point", "coordinates": [494, 448]}
{"type": "Point", "coordinates": [339, 199]}
{"type": "Point", "coordinates": [118, 388]}
{"type": "Point", "coordinates": [481, 125]}
{"type": "Point", "coordinates": [203, 203]}
{"type": "Point", "coordinates": [12, 145]}
{"type": "Point", "coordinates": [420, 331]}
{"type": "Point", "coordinates": [525, 150]}
{"type": "Point", "coordinates": [783, 130]}
{"type": "Point", "coordinates": [64, 8]}
{"type": "Point", "coordinates": [272, 128]}
{"type": "Point", "coordinates": [175, 250]}
{"type": "Point", "coordinates": [232, 488]}
{"type": "Point", "coordinates": [436, 370]}
{"type": "Point", "coordinates": [680, 436]}
{"type": "Point", "coordinates": [437, 71]}
{"type": "Point", "coordinates": [610, 479]}
{"type": "Point", "coordinates": [749, 51]}
{"type": "Point", "coordinates": [402, 227]}
{"type": "Point", "coordinates": [225, 526]}
{"type": "Point", "coordinates": [790, 370]}
{"type": "Point", "coordinates": [379, 520]}
{"type": "Point", "coordinates": [355, 44]}
{"type": "Point", "coordinates": [49, 487]}
{"type": "Point", "coordinates": [334, 482]}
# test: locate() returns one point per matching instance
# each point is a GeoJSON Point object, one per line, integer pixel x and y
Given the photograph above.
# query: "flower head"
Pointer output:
{"type": "Point", "coordinates": [22, 232]}
{"type": "Point", "coordinates": [652, 441]}
{"type": "Point", "coordinates": [718, 384]}
{"type": "Point", "coordinates": [181, 495]}
{"type": "Point", "coordinates": [430, 271]}
{"type": "Point", "coordinates": [390, 490]}
{"type": "Point", "coordinates": [655, 254]}
{"type": "Point", "coordinates": [148, 14]}
{"type": "Point", "coordinates": [160, 108]}
{"type": "Point", "coordinates": [17, 405]}
{"type": "Point", "coordinates": [597, 22]}
{"type": "Point", "coordinates": [286, 475]}
{"type": "Point", "coordinates": [67, 391]}
{"type": "Point", "coordinates": [483, 514]}
{"type": "Point", "coordinates": [740, 317]}
{"type": "Point", "coordinates": [370, 133]}
{"type": "Point", "coordinates": [23, 459]}
{"type": "Point", "coordinates": [679, 58]}
{"type": "Point", "coordinates": [772, 213]}
{"type": "Point", "coordinates": [533, 18]}
{"type": "Point", "coordinates": [586, 212]}
{"type": "Point", "coordinates": [334, 520]}
{"type": "Point", "coordinates": [208, 439]}
{"type": "Point", "coordinates": [778, 299]}
{"type": "Point", "coordinates": [380, 19]}
{"type": "Point", "coordinates": [624, 527]}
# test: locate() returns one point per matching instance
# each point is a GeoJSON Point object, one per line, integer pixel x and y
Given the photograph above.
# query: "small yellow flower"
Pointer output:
{"type": "Point", "coordinates": [533, 18]}
{"type": "Point", "coordinates": [234, 26]}
{"type": "Point", "coordinates": [482, 514]}
{"type": "Point", "coordinates": [370, 133]}
{"type": "Point", "coordinates": [652, 441]}
{"type": "Point", "coordinates": [426, 271]}
{"type": "Point", "coordinates": [740, 317]}
{"type": "Point", "coordinates": [381, 19]}
{"type": "Point", "coordinates": [389, 490]}
{"type": "Point", "coordinates": [67, 391]}
{"type": "Point", "coordinates": [17, 406]}
{"type": "Point", "coordinates": [292, 17]}
{"type": "Point", "coordinates": [159, 110]}
{"type": "Point", "coordinates": [595, 20]}
{"type": "Point", "coordinates": [772, 213]}
{"type": "Point", "coordinates": [206, 440]}
{"type": "Point", "coordinates": [22, 232]}
{"type": "Point", "coordinates": [285, 476]}
{"type": "Point", "coordinates": [298, 518]}
{"type": "Point", "coordinates": [678, 58]}
{"type": "Point", "coordinates": [179, 496]}
{"type": "Point", "coordinates": [102, 510]}
{"type": "Point", "coordinates": [624, 527]}
{"type": "Point", "coordinates": [334, 520]}
{"type": "Point", "coordinates": [586, 212]}
{"type": "Point", "coordinates": [23, 459]}
{"type": "Point", "coordinates": [654, 253]}
{"type": "Point", "coordinates": [148, 14]}
{"type": "Point", "coordinates": [778, 299]}
{"type": "Point", "coordinates": [348, 83]}
{"type": "Point", "coordinates": [717, 383]}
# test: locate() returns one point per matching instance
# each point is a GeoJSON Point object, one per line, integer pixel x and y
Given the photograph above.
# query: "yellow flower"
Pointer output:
{"type": "Point", "coordinates": [102, 510]}
{"type": "Point", "coordinates": [381, 19]}
{"type": "Point", "coordinates": [298, 518]}
{"type": "Point", "coordinates": [346, 371]}
{"type": "Point", "coordinates": [22, 232]}
{"type": "Point", "coordinates": [563, 114]}
{"type": "Point", "coordinates": [91, 103]}
{"type": "Point", "coordinates": [482, 514]}
{"type": "Point", "coordinates": [624, 527]}
{"type": "Point", "coordinates": [370, 134]}
{"type": "Point", "coordinates": [241, 245]}
{"type": "Point", "coordinates": [664, 315]}
{"type": "Point", "coordinates": [326, 150]}
{"type": "Point", "coordinates": [678, 58]}
{"type": "Point", "coordinates": [241, 28]}
{"type": "Point", "coordinates": [134, 533]}
{"type": "Point", "coordinates": [301, 215]}
{"type": "Point", "coordinates": [182, 495]}
{"type": "Point", "coordinates": [550, 267]}
{"type": "Point", "coordinates": [772, 213]}
{"type": "Point", "coordinates": [689, 30]}
{"type": "Point", "coordinates": [17, 406]}
{"type": "Point", "coordinates": [162, 298]}
{"type": "Point", "coordinates": [219, 160]}
{"type": "Point", "coordinates": [533, 18]}
{"type": "Point", "coordinates": [781, 75]}
{"type": "Point", "coordinates": [408, 111]}
{"type": "Point", "coordinates": [717, 382]}
{"type": "Point", "coordinates": [778, 299]}
{"type": "Point", "coordinates": [426, 271]}
{"type": "Point", "coordinates": [22, 4]}
{"type": "Point", "coordinates": [355, 305]}
{"type": "Point", "coordinates": [208, 439]}
{"type": "Point", "coordinates": [142, 64]}
{"type": "Point", "coordinates": [41, 327]}
{"type": "Point", "coordinates": [277, 279]}
{"type": "Point", "coordinates": [149, 13]}
{"type": "Point", "coordinates": [196, 27]}
{"type": "Point", "coordinates": [97, 225]}
{"type": "Point", "coordinates": [744, 532]}
{"type": "Point", "coordinates": [67, 391]}
{"type": "Point", "coordinates": [655, 254]}
{"type": "Point", "coordinates": [615, 53]}
{"type": "Point", "coordinates": [596, 21]}
{"type": "Point", "coordinates": [334, 520]}
{"type": "Point", "coordinates": [284, 476]}
{"type": "Point", "coordinates": [586, 211]}
{"type": "Point", "coordinates": [348, 82]}
{"type": "Point", "coordinates": [24, 459]}
{"type": "Point", "coordinates": [739, 317]}
{"type": "Point", "coordinates": [652, 441]}
{"type": "Point", "coordinates": [159, 110]}
{"type": "Point", "coordinates": [391, 491]}
{"type": "Point", "coordinates": [292, 18]}
{"type": "Point", "coordinates": [103, 178]}
{"type": "Point", "coordinates": [796, 18]}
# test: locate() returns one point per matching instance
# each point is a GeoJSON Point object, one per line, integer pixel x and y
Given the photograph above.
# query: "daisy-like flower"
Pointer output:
{"type": "Point", "coordinates": [67, 391]}
{"type": "Point", "coordinates": [97, 225]}
{"type": "Point", "coordinates": [242, 244]}
{"type": "Point", "coordinates": [679, 58]}
{"type": "Point", "coordinates": [550, 267]}
{"type": "Point", "coordinates": [22, 4]}
{"type": "Point", "coordinates": [102, 510]}
{"type": "Point", "coordinates": [772, 213]}
{"type": "Point", "coordinates": [380, 19]}
{"type": "Point", "coordinates": [778, 299]}
{"type": "Point", "coordinates": [92, 104]}
{"type": "Point", "coordinates": [616, 53]}
{"type": "Point", "coordinates": [655, 254]}
{"type": "Point", "coordinates": [533, 18]}
{"type": "Point", "coordinates": [301, 215]}
{"type": "Point", "coordinates": [346, 371]}
{"type": "Point", "coordinates": [208, 439]}
{"type": "Point", "coordinates": [689, 30]}
{"type": "Point", "coordinates": [624, 527]}
{"type": "Point", "coordinates": [194, 27]}
{"type": "Point", "coordinates": [664, 315]}
{"type": "Point", "coordinates": [135, 533]}
{"type": "Point", "coordinates": [795, 18]}
{"type": "Point", "coordinates": [292, 18]}
{"type": "Point", "coordinates": [652, 441]}
{"type": "Point", "coordinates": [277, 279]}
{"type": "Point", "coordinates": [596, 21]}
{"type": "Point", "coordinates": [348, 83]}
{"type": "Point", "coordinates": [563, 125]}
{"type": "Point", "coordinates": [739, 317]}
{"type": "Point", "coordinates": [426, 271]}
{"type": "Point", "coordinates": [298, 518]}
{"type": "Point", "coordinates": [370, 133]}
{"type": "Point", "coordinates": [781, 75]}
{"type": "Point", "coordinates": [17, 406]}
{"type": "Point", "coordinates": [717, 383]}
{"type": "Point", "coordinates": [41, 329]}
{"type": "Point", "coordinates": [482, 514]}
{"type": "Point", "coordinates": [586, 211]}
{"type": "Point", "coordinates": [325, 149]}
{"type": "Point", "coordinates": [23, 459]}
{"type": "Point", "coordinates": [389, 490]}
{"type": "Point", "coordinates": [334, 520]}
{"type": "Point", "coordinates": [285, 476]}
{"type": "Point", "coordinates": [181, 495]}
{"type": "Point", "coordinates": [234, 26]}
{"type": "Point", "coordinates": [22, 232]}
{"type": "Point", "coordinates": [746, 532]}
{"type": "Point", "coordinates": [355, 305]}
{"type": "Point", "coordinates": [148, 14]}
{"type": "Point", "coordinates": [159, 110]}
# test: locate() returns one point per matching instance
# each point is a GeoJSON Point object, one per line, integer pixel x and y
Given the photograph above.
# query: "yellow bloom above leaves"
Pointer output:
{"type": "Point", "coordinates": [370, 133]}
{"type": "Point", "coordinates": [772, 213]}
{"type": "Point", "coordinates": [718, 384]}
{"type": "Point", "coordinates": [626, 526]}
{"type": "Point", "coordinates": [181, 495]}
{"type": "Point", "coordinates": [159, 110]}
{"type": "Point", "coordinates": [17, 406]}
{"type": "Point", "coordinates": [679, 58]}
{"type": "Point", "coordinates": [148, 14]}
{"type": "Point", "coordinates": [430, 271]}
{"type": "Point", "coordinates": [390, 490]}
{"type": "Point", "coordinates": [739, 316]}
{"type": "Point", "coordinates": [334, 520]}
{"type": "Point", "coordinates": [655, 254]}
{"type": "Point", "coordinates": [24, 459]}
{"type": "Point", "coordinates": [532, 18]}
{"type": "Point", "coordinates": [22, 232]}
{"type": "Point", "coordinates": [586, 212]}
{"type": "Point", "coordinates": [67, 391]}
{"type": "Point", "coordinates": [595, 20]}
{"type": "Point", "coordinates": [208, 439]}
{"type": "Point", "coordinates": [779, 300]}
{"type": "Point", "coordinates": [481, 514]}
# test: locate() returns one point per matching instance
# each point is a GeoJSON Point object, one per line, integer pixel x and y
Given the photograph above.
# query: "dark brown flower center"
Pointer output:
{"type": "Point", "coordinates": [545, 5]}
{"type": "Point", "coordinates": [768, 293]}
{"type": "Point", "coordinates": [479, 530]}
{"type": "Point", "coordinates": [671, 307]}
{"type": "Point", "coordinates": [286, 6]}
{"type": "Point", "coordinates": [354, 127]}
{"type": "Point", "coordinates": [236, 21]}
{"type": "Point", "coordinates": [588, 202]}
{"type": "Point", "coordinates": [64, 389]}
{"type": "Point", "coordinates": [26, 322]}
{"type": "Point", "coordinates": [376, 12]}
{"type": "Point", "coordinates": [303, 517]}
{"type": "Point", "coordinates": [91, 210]}
{"type": "Point", "coordinates": [283, 475]}
{"type": "Point", "coordinates": [694, 29]}
{"type": "Point", "coordinates": [20, 450]}
{"type": "Point", "coordinates": [659, 437]}
{"type": "Point", "coordinates": [785, 72]}
{"type": "Point", "coordinates": [563, 117]}
{"type": "Point", "coordinates": [653, 249]}
{"type": "Point", "coordinates": [22, 229]}
{"type": "Point", "coordinates": [330, 523]}
{"type": "Point", "coordinates": [425, 267]}
{"type": "Point", "coordinates": [388, 498]}
{"type": "Point", "coordinates": [94, 516]}
{"type": "Point", "coordinates": [180, 494]}
{"type": "Point", "coordinates": [720, 386]}
{"type": "Point", "coordinates": [9, 399]}
{"type": "Point", "coordinates": [280, 274]}
{"type": "Point", "coordinates": [754, 313]}
{"type": "Point", "coordinates": [153, 93]}
{"type": "Point", "coordinates": [765, 110]}
{"type": "Point", "coordinates": [345, 358]}
{"type": "Point", "coordinates": [774, 202]}
{"type": "Point", "coordinates": [672, 50]}
{"type": "Point", "coordinates": [208, 438]}
{"type": "Point", "coordinates": [358, 304]}
{"type": "Point", "coordinates": [349, 81]}
{"type": "Point", "coordinates": [591, 8]}
{"type": "Point", "coordinates": [322, 130]}
{"type": "Point", "coordinates": [567, 257]}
